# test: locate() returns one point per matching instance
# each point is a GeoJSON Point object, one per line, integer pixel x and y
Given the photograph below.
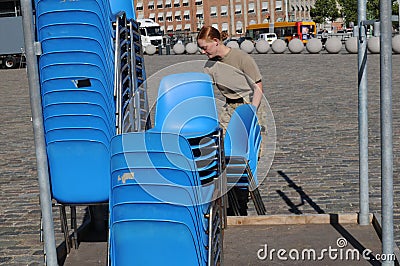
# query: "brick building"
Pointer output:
{"type": "Point", "coordinates": [231, 16]}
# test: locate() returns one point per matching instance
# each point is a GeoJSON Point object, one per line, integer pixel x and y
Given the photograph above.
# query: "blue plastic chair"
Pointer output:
{"type": "Point", "coordinates": [172, 211]}
{"type": "Point", "coordinates": [153, 169]}
{"type": "Point", "coordinates": [67, 111]}
{"type": "Point", "coordinates": [186, 105]}
{"type": "Point", "coordinates": [133, 242]}
{"type": "Point", "coordinates": [78, 121]}
{"type": "Point", "coordinates": [79, 171]}
{"type": "Point", "coordinates": [162, 212]}
{"type": "Point", "coordinates": [71, 84]}
{"type": "Point", "coordinates": [87, 134]}
{"type": "Point", "coordinates": [78, 44]}
{"type": "Point", "coordinates": [73, 57]}
{"type": "Point", "coordinates": [102, 8]}
{"type": "Point", "coordinates": [242, 144]}
{"type": "Point", "coordinates": [75, 104]}
{"type": "Point", "coordinates": [163, 152]}
{"type": "Point", "coordinates": [92, 16]}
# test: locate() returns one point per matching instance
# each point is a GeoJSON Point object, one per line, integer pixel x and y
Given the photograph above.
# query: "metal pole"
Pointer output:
{"type": "Point", "coordinates": [38, 130]}
{"type": "Point", "coordinates": [386, 129]}
{"type": "Point", "coordinates": [363, 114]}
{"type": "Point", "coordinates": [286, 11]}
{"type": "Point", "coordinates": [272, 17]}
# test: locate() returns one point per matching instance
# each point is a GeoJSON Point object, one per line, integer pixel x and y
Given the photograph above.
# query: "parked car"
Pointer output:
{"type": "Point", "coordinates": [269, 37]}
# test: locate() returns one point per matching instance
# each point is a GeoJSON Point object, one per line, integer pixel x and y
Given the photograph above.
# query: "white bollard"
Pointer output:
{"type": "Point", "coordinates": [278, 46]}
{"type": "Point", "coordinates": [396, 44]}
{"type": "Point", "coordinates": [247, 46]}
{"type": "Point", "coordinates": [351, 45]}
{"type": "Point", "coordinates": [314, 46]}
{"type": "Point", "coordinates": [333, 45]}
{"type": "Point", "coordinates": [373, 45]}
{"type": "Point", "coordinates": [296, 46]}
{"type": "Point", "coordinates": [178, 48]}
{"type": "Point", "coordinates": [233, 44]}
{"type": "Point", "coordinates": [262, 46]}
{"type": "Point", "coordinates": [191, 48]}
{"type": "Point", "coordinates": [150, 49]}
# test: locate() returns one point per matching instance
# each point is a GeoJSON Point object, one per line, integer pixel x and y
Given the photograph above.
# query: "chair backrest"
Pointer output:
{"type": "Point", "coordinates": [242, 126]}
{"type": "Point", "coordinates": [186, 105]}
{"type": "Point", "coordinates": [155, 158]}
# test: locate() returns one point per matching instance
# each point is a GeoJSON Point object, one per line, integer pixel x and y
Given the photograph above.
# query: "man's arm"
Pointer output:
{"type": "Point", "coordinates": [257, 94]}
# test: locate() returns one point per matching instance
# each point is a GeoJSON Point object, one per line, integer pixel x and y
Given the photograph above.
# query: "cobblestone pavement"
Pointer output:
{"type": "Point", "coordinates": [315, 170]}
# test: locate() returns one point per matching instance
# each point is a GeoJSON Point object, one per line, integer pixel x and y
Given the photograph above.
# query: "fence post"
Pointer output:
{"type": "Point", "coordinates": [363, 115]}
{"type": "Point", "coordinates": [38, 130]}
{"type": "Point", "coordinates": [386, 129]}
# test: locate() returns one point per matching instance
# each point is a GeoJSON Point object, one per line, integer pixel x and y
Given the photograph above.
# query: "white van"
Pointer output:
{"type": "Point", "coordinates": [269, 37]}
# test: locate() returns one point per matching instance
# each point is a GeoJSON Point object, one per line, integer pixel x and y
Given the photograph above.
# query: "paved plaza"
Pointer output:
{"type": "Point", "coordinates": [314, 101]}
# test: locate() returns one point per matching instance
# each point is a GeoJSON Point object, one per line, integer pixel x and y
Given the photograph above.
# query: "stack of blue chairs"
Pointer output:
{"type": "Point", "coordinates": [242, 155]}
{"type": "Point", "coordinates": [76, 79]}
{"type": "Point", "coordinates": [186, 105]}
{"type": "Point", "coordinates": [76, 69]}
{"type": "Point", "coordinates": [166, 185]}
{"type": "Point", "coordinates": [158, 207]}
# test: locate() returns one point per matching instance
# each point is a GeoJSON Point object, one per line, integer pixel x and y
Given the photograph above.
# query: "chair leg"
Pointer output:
{"type": "Point", "coordinates": [74, 226]}
{"type": "Point", "coordinates": [233, 202]}
{"type": "Point", "coordinates": [257, 200]}
{"type": "Point", "coordinates": [255, 193]}
{"type": "Point", "coordinates": [64, 228]}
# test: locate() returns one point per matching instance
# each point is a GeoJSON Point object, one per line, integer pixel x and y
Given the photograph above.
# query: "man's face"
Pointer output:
{"type": "Point", "coordinates": [208, 47]}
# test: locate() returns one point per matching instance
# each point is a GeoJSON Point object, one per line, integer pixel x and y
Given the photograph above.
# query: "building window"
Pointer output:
{"type": "Point", "coordinates": [168, 4]}
{"type": "Point", "coordinates": [238, 9]}
{"type": "Point", "coordinates": [159, 4]}
{"type": "Point", "coordinates": [185, 3]}
{"type": "Point", "coordinates": [224, 27]}
{"type": "Point", "coordinates": [178, 16]}
{"type": "Point", "coordinates": [198, 2]}
{"type": "Point", "coordinates": [278, 6]}
{"type": "Point", "coordinates": [176, 3]}
{"type": "Point", "coordinates": [160, 17]}
{"type": "Point", "coordinates": [264, 7]}
{"type": "Point", "coordinates": [199, 14]}
{"type": "Point", "coordinates": [224, 10]}
{"type": "Point", "coordinates": [169, 16]}
{"type": "Point", "coordinates": [239, 27]}
{"type": "Point", "coordinates": [186, 15]}
{"type": "Point", "coordinates": [213, 11]}
{"type": "Point", "coordinates": [251, 9]}
{"type": "Point", "coordinates": [139, 6]}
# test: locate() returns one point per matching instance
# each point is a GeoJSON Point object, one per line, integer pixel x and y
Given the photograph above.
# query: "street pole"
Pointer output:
{"type": "Point", "coordinates": [363, 115]}
{"type": "Point", "coordinates": [272, 17]}
{"type": "Point", "coordinates": [39, 139]}
{"type": "Point", "coordinates": [386, 130]}
{"type": "Point", "coordinates": [286, 11]}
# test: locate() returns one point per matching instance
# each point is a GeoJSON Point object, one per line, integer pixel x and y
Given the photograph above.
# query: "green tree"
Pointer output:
{"type": "Point", "coordinates": [373, 8]}
{"type": "Point", "coordinates": [348, 11]}
{"type": "Point", "coordinates": [324, 10]}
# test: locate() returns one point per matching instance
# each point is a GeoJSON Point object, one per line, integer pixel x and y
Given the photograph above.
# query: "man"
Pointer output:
{"type": "Point", "coordinates": [238, 78]}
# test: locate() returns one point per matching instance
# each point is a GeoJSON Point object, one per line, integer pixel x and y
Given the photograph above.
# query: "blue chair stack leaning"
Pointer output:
{"type": "Point", "coordinates": [166, 185]}
{"type": "Point", "coordinates": [78, 104]}
{"type": "Point", "coordinates": [242, 156]}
